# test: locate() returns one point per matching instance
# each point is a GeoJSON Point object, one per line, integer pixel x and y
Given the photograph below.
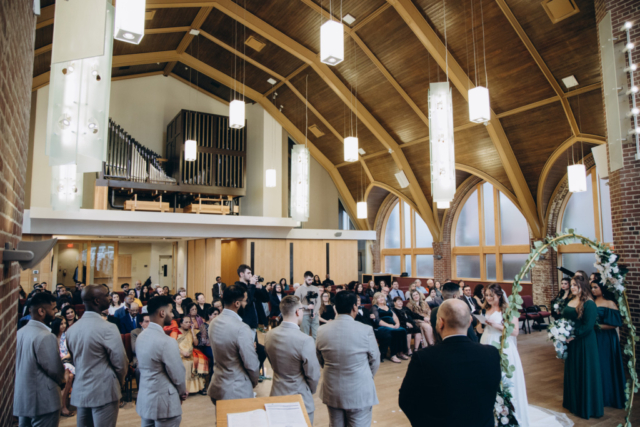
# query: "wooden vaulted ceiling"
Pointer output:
{"type": "Point", "coordinates": [392, 51]}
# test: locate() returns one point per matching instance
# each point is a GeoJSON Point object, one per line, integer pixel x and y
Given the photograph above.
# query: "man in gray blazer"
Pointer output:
{"type": "Point", "coordinates": [101, 363]}
{"type": "Point", "coordinates": [236, 365]}
{"type": "Point", "coordinates": [349, 354]}
{"type": "Point", "coordinates": [162, 374]}
{"type": "Point", "coordinates": [39, 369]}
{"type": "Point", "coordinates": [296, 369]}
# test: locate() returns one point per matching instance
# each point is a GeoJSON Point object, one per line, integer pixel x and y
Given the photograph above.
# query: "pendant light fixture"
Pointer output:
{"type": "Point", "coordinates": [300, 172]}
{"type": "Point", "coordinates": [191, 145]}
{"type": "Point", "coordinates": [443, 170]}
{"type": "Point", "coordinates": [361, 207]}
{"type": "Point", "coordinates": [331, 38]}
{"type": "Point", "coordinates": [577, 173]}
{"type": "Point", "coordinates": [130, 17]}
{"type": "Point", "coordinates": [351, 142]}
{"type": "Point", "coordinates": [270, 177]}
{"type": "Point", "coordinates": [237, 104]}
{"type": "Point", "coordinates": [479, 106]}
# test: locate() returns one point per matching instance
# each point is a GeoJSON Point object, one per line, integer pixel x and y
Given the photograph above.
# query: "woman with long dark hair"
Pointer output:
{"type": "Point", "coordinates": [316, 281]}
{"type": "Point", "coordinates": [145, 295]}
{"type": "Point", "coordinates": [69, 314]}
{"type": "Point", "coordinates": [478, 295]}
{"type": "Point", "coordinates": [115, 303]}
{"type": "Point", "coordinates": [582, 375]}
{"type": "Point", "coordinates": [277, 293]}
{"type": "Point", "coordinates": [560, 301]}
{"type": "Point", "coordinates": [364, 298]}
{"type": "Point", "coordinates": [495, 305]}
{"type": "Point", "coordinates": [611, 364]}
{"type": "Point", "coordinates": [283, 283]}
{"type": "Point", "coordinates": [59, 328]}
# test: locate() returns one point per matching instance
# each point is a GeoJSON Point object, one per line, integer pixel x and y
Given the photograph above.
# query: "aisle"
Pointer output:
{"type": "Point", "coordinates": [543, 373]}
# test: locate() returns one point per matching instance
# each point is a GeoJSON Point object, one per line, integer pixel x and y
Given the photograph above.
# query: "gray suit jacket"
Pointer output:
{"type": "Point", "coordinates": [39, 371]}
{"type": "Point", "coordinates": [349, 354]}
{"type": "Point", "coordinates": [134, 337]}
{"type": "Point", "coordinates": [236, 364]}
{"type": "Point", "coordinates": [295, 365]}
{"type": "Point", "coordinates": [162, 375]}
{"type": "Point", "coordinates": [101, 363]}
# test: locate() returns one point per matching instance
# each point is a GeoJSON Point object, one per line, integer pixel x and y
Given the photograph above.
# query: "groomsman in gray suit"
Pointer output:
{"type": "Point", "coordinates": [39, 370]}
{"type": "Point", "coordinates": [236, 365]}
{"type": "Point", "coordinates": [101, 363]}
{"type": "Point", "coordinates": [162, 374]}
{"type": "Point", "coordinates": [292, 354]}
{"type": "Point", "coordinates": [349, 354]}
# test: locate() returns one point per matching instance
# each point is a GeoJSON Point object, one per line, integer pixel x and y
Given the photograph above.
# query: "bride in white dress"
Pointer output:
{"type": "Point", "coordinates": [496, 303]}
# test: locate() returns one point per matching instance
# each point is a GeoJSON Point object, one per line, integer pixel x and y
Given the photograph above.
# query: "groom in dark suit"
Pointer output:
{"type": "Point", "coordinates": [472, 368]}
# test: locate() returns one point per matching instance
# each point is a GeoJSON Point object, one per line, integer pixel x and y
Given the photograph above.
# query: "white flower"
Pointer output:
{"type": "Point", "coordinates": [498, 408]}
{"type": "Point", "coordinates": [499, 400]}
{"type": "Point", "coordinates": [615, 269]}
{"type": "Point", "coordinates": [505, 411]}
{"type": "Point", "coordinates": [568, 327]}
{"type": "Point", "coordinates": [554, 331]}
{"type": "Point", "coordinates": [613, 258]}
{"type": "Point", "coordinates": [562, 330]}
{"type": "Point", "coordinates": [619, 288]}
{"type": "Point", "coordinates": [504, 420]}
{"type": "Point", "coordinates": [562, 338]}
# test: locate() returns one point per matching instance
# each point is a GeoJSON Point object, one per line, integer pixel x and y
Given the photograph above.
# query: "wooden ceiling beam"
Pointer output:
{"type": "Point", "coordinates": [202, 15]}
{"type": "Point", "coordinates": [373, 15]}
{"type": "Point", "coordinates": [288, 78]}
{"type": "Point", "coordinates": [431, 41]}
{"type": "Point", "coordinates": [46, 16]}
{"type": "Point", "coordinates": [345, 194]}
{"type": "Point", "coordinates": [136, 76]}
{"type": "Point", "coordinates": [541, 64]}
{"type": "Point", "coordinates": [254, 23]}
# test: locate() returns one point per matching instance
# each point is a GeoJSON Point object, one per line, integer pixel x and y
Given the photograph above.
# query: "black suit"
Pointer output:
{"type": "Point", "coordinates": [253, 310]}
{"type": "Point", "coordinates": [471, 303]}
{"type": "Point", "coordinates": [328, 283]}
{"type": "Point", "coordinates": [218, 289]}
{"type": "Point", "coordinates": [439, 374]}
{"type": "Point", "coordinates": [275, 304]}
{"type": "Point", "coordinates": [365, 317]}
{"type": "Point", "coordinates": [434, 317]}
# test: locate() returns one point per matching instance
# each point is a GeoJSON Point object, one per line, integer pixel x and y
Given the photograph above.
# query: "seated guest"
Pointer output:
{"type": "Point", "coordinates": [387, 297]}
{"type": "Point", "coordinates": [145, 293]}
{"type": "Point", "coordinates": [451, 290]}
{"type": "Point", "coordinates": [277, 293]}
{"type": "Point", "coordinates": [129, 319]}
{"type": "Point", "coordinates": [431, 285]}
{"type": "Point", "coordinates": [461, 284]}
{"type": "Point", "coordinates": [421, 288]}
{"type": "Point", "coordinates": [115, 303]}
{"type": "Point", "coordinates": [195, 362]}
{"type": "Point", "coordinates": [422, 316]}
{"type": "Point", "coordinates": [406, 322]}
{"type": "Point", "coordinates": [328, 281]}
{"type": "Point", "coordinates": [178, 309]}
{"type": "Point", "coordinates": [218, 304]}
{"type": "Point", "coordinates": [351, 287]}
{"type": "Point", "coordinates": [467, 297]}
{"type": "Point", "coordinates": [192, 312]}
{"type": "Point", "coordinates": [296, 286]}
{"type": "Point", "coordinates": [201, 305]}
{"type": "Point", "coordinates": [132, 294]}
{"type": "Point", "coordinates": [58, 328]}
{"type": "Point", "coordinates": [236, 364]}
{"type": "Point", "coordinates": [364, 297]}
{"type": "Point", "coordinates": [456, 360]}
{"type": "Point", "coordinates": [316, 281]}
{"type": "Point", "coordinates": [284, 284]}
{"type": "Point", "coordinates": [38, 368]}
{"type": "Point", "coordinates": [395, 291]}
{"type": "Point", "coordinates": [125, 288]}
{"type": "Point", "coordinates": [364, 314]}
{"type": "Point", "coordinates": [412, 287]}
{"type": "Point", "coordinates": [204, 344]}
{"type": "Point", "coordinates": [166, 291]}
{"type": "Point", "coordinates": [390, 334]}
{"type": "Point", "coordinates": [478, 296]}
{"type": "Point", "coordinates": [433, 300]}
{"type": "Point", "coordinates": [326, 311]}
{"type": "Point", "coordinates": [69, 313]}
{"type": "Point", "coordinates": [63, 297]}
{"type": "Point", "coordinates": [182, 292]}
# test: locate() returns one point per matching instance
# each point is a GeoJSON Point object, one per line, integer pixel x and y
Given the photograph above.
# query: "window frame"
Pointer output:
{"type": "Point", "coordinates": [483, 250]}
{"type": "Point", "coordinates": [411, 251]}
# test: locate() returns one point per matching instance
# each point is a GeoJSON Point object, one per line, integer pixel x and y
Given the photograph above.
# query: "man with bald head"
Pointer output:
{"type": "Point", "coordinates": [455, 365]}
{"type": "Point", "coordinates": [101, 363]}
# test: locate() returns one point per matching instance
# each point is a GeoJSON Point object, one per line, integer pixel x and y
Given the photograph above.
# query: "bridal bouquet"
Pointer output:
{"type": "Point", "coordinates": [559, 332]}
{"type": "Point", "coordinates": [503, 409]}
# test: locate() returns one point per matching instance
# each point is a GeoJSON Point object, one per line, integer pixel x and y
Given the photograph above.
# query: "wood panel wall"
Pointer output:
{"type": "Point", "coordinates": [203, 265]}
{"type": "Point", "coordinates": [271, 258]}
{"type": "Point", "coordinates": [343, 260]}
{"type": "Point", "coordinates": [233, 254]}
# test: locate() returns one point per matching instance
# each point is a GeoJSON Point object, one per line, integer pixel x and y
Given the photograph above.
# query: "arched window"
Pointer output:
{"type": "Point", "coordinates": [589, 214]}
{"type": "Point", "coordinates": [490, 237]}
{"type": "Point", "coordinates": [406, 243]}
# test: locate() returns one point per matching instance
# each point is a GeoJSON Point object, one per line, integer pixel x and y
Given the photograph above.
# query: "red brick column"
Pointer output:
{"type": "Point", "coordinates": [17, 33]}
{"type": "Point", "coordinates": [624, 183]}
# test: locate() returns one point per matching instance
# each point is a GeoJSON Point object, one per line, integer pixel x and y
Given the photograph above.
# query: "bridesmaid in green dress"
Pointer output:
{"type": "Point", "coordinates": [611, 364]}
{"type": "Point", "coordinates": [582, 378]}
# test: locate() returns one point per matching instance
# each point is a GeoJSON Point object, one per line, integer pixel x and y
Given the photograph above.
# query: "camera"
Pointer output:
{"type": "Point", "coordinates": [260, 279]}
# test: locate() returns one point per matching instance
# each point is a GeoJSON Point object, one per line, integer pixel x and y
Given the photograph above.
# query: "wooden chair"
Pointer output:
{"type": "Point", "coordinates": [534, 312]}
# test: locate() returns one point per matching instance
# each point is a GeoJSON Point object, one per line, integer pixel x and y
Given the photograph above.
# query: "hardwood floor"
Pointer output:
{"type": "Point", "coordinates": [543, 372]}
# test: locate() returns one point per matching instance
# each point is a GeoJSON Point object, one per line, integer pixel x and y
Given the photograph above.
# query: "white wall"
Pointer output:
{"type": "Point", "coordinates": [323, 207]}
{"type": "Point", "coordinates": [145, 259]}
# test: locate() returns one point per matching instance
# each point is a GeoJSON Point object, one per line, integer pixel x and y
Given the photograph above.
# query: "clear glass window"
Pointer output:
{"type": "Point", "coordinates": [407, 265]}
{"type": "Point", "coordinates": [578, 214]}
{"type": "Point", "coordinates": [392, 264]}
{"type": "Point", "coordinates": [406, 216]}
{"type": "Point", "coordinates": [392, 231]}
{"type": "Point", "coordinates": [489, 217]}
{"type": "Point", "coordinates": [423, 235]}
{"type": "Point", "coordinates": [581, 261]}
{"type": "Point", "coordinates": [467, 229]}
{"type": "Point", "coordinates": [424, 265]}
{"type": "Point", "coordinates": [468, 266]}
{"type": "Point", "coordinates": [490, 266]}
{"type": "Point", "coordinates": [513, 226]}
{"type": "Point", "coordinates": [512, 264]}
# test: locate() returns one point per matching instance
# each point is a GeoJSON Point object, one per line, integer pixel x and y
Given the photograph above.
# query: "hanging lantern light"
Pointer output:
{"type": "Point", "coordinates": [362, 210]}
{"type": "Point", "coordinates": [190, 150]}
{"type": "Point", "coordinates": [443, 205]}
{"type": "Point", "coordinates": [577, 178]}
{"type": "Point", "coordinates": [350, 149]}
{"type": "Point", "coordinates": [271, 178]}
{"type": "Point", "coordinates": [236, 114]}
{"type": "Point", "coordinates": [443, 170]}
{"type": "Point", "coordinates": [479, 108]}
{"type": "Point", "coordinates": [300, 163]}
{"type": "Point", "coordinates": [331, 43]}
{"type": "Point", "coordinates": [130, 17]}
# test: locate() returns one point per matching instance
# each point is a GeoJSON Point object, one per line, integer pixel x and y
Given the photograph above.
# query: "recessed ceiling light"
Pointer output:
{"type": "Point", "coordinates": [194, 32]}
{"type": "Point", "coordinates": [271, 81]}
{"type": "Point", "coordinates": [361, 151]}
{"type": "Point", "coordinates": [570, 82]}
{"type": "Point", "coordinates": [348, 19]}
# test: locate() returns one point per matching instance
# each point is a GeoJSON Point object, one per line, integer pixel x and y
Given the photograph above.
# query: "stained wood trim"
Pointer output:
{"type": "Point", "coordinates": [199, 89]}
{"type": "Point", "coordinates": [40, 81]}
{"type": "Point", "coordinates": [541, 64]}
{"type": "Point", "coordinates": [428, 37]}
{"type": "Point", "coordinates": [289, 77]}
{"type": "Point", "coordinates": [529, 107]}
{"type": "Point", "coordinates": [373, 15]}
{"type": "Point", "coordinates": [395, 192]}
{"type": "Point", "coordinates": [166, 30]}
{"type": "Point", "coordinates": [136, 76]}
{"type": "Point", "coordinates": [582, 90]}
{"type": "Point", "coordinates": [366, 170]}
{"type": "Point", "coordinates": [46, 16]}
{"type": "Point", "coordinates": [186, 40]}
{"type": "Point", "coordinates": [324, 121]}
{"type": "Point", "coordinates": [252, 22]}
{"type": "Point", "coordinates": [43, 49]}
{"type": "Point", "coordinates": [485, 176]}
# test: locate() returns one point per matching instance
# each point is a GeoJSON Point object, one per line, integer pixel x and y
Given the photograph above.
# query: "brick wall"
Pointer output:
{"type": "Point", "coordinates": [624, 184]}
{"type": "Point", "coordinates": [17, 32]}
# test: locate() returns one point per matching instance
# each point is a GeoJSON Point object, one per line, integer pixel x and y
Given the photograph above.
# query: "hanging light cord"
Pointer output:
{"type": "Point", "coordinates": [446, 46]}
{"type": "Point", "coordinates": [473, 36]}
{"type": "Point", "coordinates": [484, 53]}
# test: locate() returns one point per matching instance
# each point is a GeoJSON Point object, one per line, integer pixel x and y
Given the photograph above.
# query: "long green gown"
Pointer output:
{"type": "Point", "coordinates": [611, 364]}
{"type": "Point", "coordinates": [582, 377]}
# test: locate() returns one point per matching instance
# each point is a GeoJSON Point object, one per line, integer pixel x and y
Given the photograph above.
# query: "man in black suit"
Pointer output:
{"type": "Point", "coordinates": [451, 290]}
{"type": "Point", "coordinates": [328, 282]}
{"type": "Point", "coordinates": [472, 367]}
{"type": "Point", "coordinates": [218, 288]}
{"type": "Point", "coordinates": [469, 300]}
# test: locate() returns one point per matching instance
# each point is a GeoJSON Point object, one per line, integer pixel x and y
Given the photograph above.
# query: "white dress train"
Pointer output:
{"type": "Point", "coordinates": [519, 389]}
